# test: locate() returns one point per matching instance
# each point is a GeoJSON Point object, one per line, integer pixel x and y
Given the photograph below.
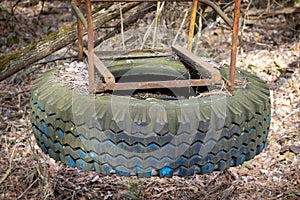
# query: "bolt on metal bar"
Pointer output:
{"type": "Point", "coordinates": [90, 31]}
{"type": "Point", "coordinates": [235, 30]}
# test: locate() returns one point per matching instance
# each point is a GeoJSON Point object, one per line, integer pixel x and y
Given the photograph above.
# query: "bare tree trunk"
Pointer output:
{"type": "Point", "coordinates": [16, 61]}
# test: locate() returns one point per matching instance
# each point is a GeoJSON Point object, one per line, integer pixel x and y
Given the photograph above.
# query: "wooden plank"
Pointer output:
{"type": "Point", "coordinates": [197, 63]}
{"type": "Point", "coordinates": [102, 69]}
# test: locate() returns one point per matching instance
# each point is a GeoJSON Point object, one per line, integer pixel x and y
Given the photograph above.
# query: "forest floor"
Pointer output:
{"type": "Point", "coordinates": [269, 47]}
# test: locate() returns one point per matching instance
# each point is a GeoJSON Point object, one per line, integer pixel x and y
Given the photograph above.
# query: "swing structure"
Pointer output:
{"type": "Point", "coordinates": [109, 83]}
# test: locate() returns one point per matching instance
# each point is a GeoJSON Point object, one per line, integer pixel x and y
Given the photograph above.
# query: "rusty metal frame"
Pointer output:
{"type": "Point", "coordinates": [194, 61]}
{"type": "Point", "coordinates": [186, 55]}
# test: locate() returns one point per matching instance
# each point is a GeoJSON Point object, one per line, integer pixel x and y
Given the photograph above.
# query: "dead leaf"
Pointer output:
{"type": "Point", "coordinates": [295, 149]}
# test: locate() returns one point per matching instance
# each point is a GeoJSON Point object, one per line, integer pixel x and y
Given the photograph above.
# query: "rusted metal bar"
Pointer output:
{"type": "Point", "coordinates": [192, 24]}
{"type": "Point", "coordinates": [235, 30]}
{"type": "Point", "coordinates": [156, 84]}
{"type": "Point", "coordinates": [197, 63]}
{"type": "Point", "coordinates": [211, 75]}
{"type": "Point", "coordinates": [80, 31]}
{"type": "Point", "coordinates": [90, 46]}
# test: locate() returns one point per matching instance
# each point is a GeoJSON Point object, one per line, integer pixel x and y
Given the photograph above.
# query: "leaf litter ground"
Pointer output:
{"type": "Point", "coordinates": [269, 48]}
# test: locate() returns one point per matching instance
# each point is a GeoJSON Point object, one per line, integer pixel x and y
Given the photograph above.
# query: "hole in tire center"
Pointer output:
{"type": "Point", "coordinates": [152, 70]}
{"type": "Point", "coordinates": [158, 93]}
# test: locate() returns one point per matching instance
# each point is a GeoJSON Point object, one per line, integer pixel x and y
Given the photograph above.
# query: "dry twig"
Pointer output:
{"type": "Point", "coordinates": [21, 195]}
{"type": "Point", "coordinates": [180, 28]}
{"type": "Point", "coordinates": [10, 166]}
{"type": "Point", "coordinates": [156, 24]}
{"type": "Point", "coordinates": [290, 114]}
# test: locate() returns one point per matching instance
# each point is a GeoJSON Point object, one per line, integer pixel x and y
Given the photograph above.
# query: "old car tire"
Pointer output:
{"type": "Point", "coordinates": [129, 136]}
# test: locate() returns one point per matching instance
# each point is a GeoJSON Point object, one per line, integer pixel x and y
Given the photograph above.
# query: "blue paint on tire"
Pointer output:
{"type": "Point", "coordinates": [58, 145]}
{"type": "Point", "coordinates": [207, 168]}
{"type": "Point", "coordinates": [121, 173]}
{"type": "Point", "coordinates": [267, 119]}
{"type": "Point", "coordinates": [71, 161]}
{"type": "Point", "coordinates": [249, 155]}
{"type": "Point", "coordinates": [60, 133]}
{"type": "Point", "coordinates": [82, 154]}
{"type": "Point", "coordinates": [240, 159]}
{"type": "Point", "coordinates": [41, 105]}
{"type": "Point", "coordinates": [81, 164]}
{"type": "Point", "coordinates": [166, 172]}
{"type": "Point", "coordinates": [251, 130]}
{"type": "Point", "coordinates": [45, 149]}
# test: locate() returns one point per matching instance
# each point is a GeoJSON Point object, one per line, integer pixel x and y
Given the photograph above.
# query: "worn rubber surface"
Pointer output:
{"type": "Point", "coordinates": [127, 136]}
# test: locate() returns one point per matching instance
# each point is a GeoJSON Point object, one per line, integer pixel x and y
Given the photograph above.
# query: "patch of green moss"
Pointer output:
{"type": "Point", "coordinates": [6, 58]}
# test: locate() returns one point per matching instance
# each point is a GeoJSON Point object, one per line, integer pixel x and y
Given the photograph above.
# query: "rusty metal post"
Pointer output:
{"type": "Point", "coordinates": [80, 33]}
{"type": "Point", "coordinates": [235, 31]}
{"type": "Point", "coordinates": [90, 46]}
{"type": "Point", "coordinates": [192, 24]}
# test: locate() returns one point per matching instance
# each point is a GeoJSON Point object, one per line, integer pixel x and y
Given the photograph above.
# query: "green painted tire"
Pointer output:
{"type": "Point", "coordinates": [127, 136]}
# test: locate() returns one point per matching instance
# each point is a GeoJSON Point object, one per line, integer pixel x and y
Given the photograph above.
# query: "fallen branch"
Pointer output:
{"type": "Point", "coordinates": [10, 166]}
{"type": "Point", "coordinates": [16, 61]}
{"type": "Point", "coordinates": [19, 197]}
